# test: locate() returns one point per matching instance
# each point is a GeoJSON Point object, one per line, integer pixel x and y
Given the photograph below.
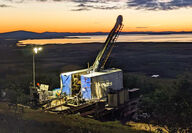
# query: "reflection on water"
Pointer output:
{"type": "Point", "coordinates": [122, 38]}
{"type": "Point", "coordinates": [76, 39]}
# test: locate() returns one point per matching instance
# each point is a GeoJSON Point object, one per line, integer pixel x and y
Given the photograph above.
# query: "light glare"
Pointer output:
{"type": "Point", "coordinates": [40, 48]}
{"type": "Point", "coordinates": [37, 49]}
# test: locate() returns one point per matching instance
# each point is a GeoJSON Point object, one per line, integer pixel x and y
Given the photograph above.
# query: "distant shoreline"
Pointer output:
{"type": "Point", "coordinates": [21, 35]}
{"type": "Point", "coordinates": [102, 38]}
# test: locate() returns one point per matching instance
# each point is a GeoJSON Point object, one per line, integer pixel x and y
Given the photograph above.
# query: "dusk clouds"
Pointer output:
{"type": "Point", "coordinates": [159, 4]}
{"type": "Point", "coordinates": [87, 6]}
{"type": "Point", "coordinates": [4, 5]}
{"type": "Point", "coordinates": [106, 4]}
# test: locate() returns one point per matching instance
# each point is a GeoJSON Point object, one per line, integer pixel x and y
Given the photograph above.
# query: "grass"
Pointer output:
{"type": "Point", "coordinates": [166, 59]}
{"type": "Point", "coordinates": [146, 127]}
{"type": "Point", "coordinates": [43, 122]}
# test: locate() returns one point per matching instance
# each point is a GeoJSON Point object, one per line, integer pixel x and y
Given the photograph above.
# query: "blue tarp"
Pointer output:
{"type": "Point", "coordinates": [66, 84]}
{"type": "Point", "coordinates": [86, 87]}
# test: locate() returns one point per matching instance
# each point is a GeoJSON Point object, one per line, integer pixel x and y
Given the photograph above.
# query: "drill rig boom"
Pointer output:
{"type": "Point", "coordinates": [108, 46]}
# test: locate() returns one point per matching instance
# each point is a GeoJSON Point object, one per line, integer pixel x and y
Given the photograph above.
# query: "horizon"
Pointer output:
{"type": "Point", "coordinates": [80, 16]}
{"type": "Point", "coordinates": [142, 32]}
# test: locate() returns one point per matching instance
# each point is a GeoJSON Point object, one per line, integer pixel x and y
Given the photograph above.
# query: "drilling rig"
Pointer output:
{"type": "Point", "coordinates": [96, 90]}
{"type": "Point", "coordinates": [93, 83]}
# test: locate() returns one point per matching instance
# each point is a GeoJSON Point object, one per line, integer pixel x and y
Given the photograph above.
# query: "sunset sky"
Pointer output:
{"type": "Point", "coordinates": [95, 15]}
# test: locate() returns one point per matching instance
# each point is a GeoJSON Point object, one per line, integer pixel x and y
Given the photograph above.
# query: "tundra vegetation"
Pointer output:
{"type": "Point", "coordinates": [166, 100]}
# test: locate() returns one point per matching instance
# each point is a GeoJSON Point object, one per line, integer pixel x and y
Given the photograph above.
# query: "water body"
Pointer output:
{"type": "Point", "coordinates": [102, 38]}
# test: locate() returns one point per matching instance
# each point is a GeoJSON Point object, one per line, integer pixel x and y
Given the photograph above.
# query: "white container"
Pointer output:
{"type": "Point", "coordinates": [102, 81]}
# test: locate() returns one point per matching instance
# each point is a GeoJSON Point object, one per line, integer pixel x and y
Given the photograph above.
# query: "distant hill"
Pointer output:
{"type": "Point", "coordinates": [48, 35]}
{"type": "Point", "coordinates": [19, 34]}
{"type": "Point", "coordinates": [44, 35]}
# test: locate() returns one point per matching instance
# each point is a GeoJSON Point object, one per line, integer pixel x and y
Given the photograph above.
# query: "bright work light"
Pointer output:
{"type": "Point", "coordinates": [36, 49]}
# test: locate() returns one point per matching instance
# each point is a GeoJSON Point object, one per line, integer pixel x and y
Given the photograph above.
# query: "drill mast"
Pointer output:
{"type": "Point", "coordinates": [108, 46]}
